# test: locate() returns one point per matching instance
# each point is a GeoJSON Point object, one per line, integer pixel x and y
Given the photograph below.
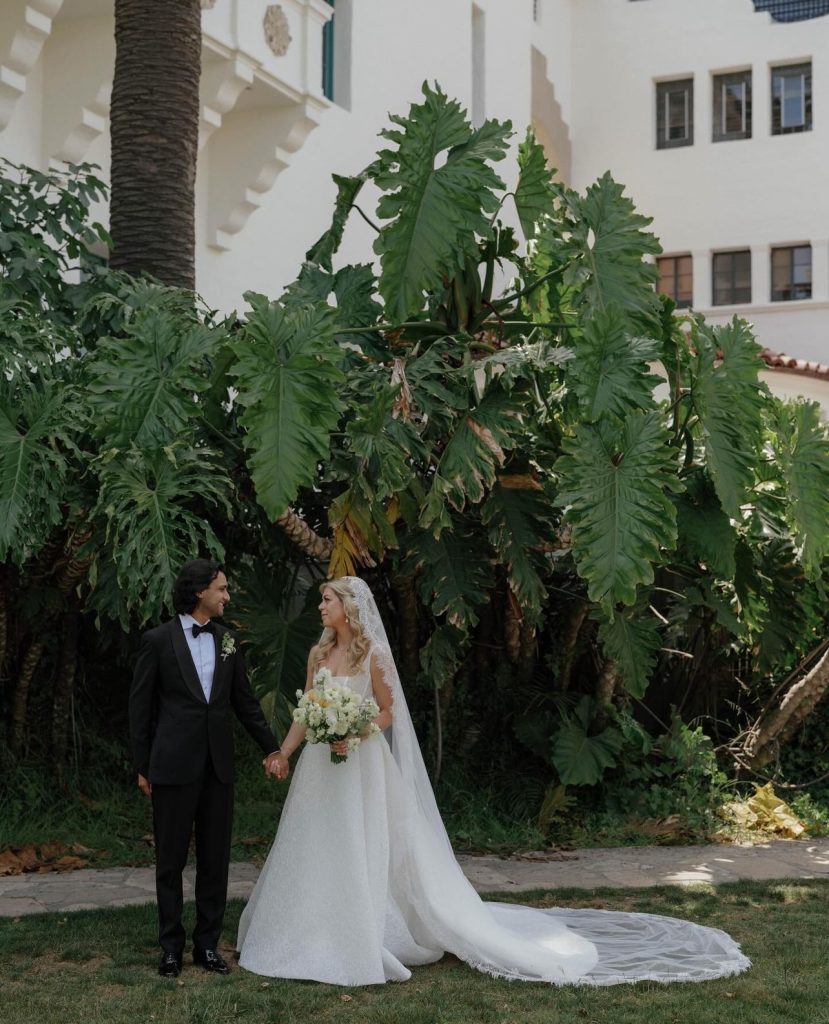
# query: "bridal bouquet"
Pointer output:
{"type": "Point", "coordinates": [330, 712]}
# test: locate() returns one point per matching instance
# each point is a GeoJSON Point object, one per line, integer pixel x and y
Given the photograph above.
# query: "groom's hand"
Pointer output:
{"type": "Point", "coordinates": [145, 785]}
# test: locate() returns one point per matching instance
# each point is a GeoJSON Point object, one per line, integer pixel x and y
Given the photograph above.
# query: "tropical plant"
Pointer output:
{"type": "Point", "coordinates": [576, 507]}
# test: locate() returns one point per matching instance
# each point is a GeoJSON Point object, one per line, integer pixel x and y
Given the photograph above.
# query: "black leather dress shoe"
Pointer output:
{"type": "Point", "coordinates": [170, 965]}
{"type": "Point", "coordinates": [210, 961]}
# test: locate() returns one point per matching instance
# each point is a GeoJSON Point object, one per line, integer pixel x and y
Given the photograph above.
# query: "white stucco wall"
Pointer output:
{"type": "Point", "coordinates": [395, 46]}
{"type": "Point", "coordinates": [751, 193]}
{"type": "Point", "coordinates": [584, 69]}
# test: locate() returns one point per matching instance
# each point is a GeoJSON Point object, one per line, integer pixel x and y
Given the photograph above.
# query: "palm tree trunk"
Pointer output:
{"type": "Point", "coordinates": [301, 534]}
{"type": "Point", "coordinates": [154, 126]}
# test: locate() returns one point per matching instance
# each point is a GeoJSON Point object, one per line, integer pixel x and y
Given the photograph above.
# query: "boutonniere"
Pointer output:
{"type": "Point", "coordinates": [228, 645]}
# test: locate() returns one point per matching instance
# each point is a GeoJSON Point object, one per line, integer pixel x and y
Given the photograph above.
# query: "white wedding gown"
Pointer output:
{"type": "Point", "coordinates": [359, 887]}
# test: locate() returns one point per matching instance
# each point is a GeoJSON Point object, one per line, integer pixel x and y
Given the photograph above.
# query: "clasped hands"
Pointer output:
{"type": "Point", "coordinates": [276, 765]}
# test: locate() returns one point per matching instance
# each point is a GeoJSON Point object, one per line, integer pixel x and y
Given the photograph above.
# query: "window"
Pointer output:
{"type": "Point", "coordinates": [732, 106]}
{"type": "Point", "coordinates": [791, 99]}
{"type": "Point", "coordinates": [674, 114]}
{"type": "Point", "coordinates": [732, 277]}
{"type": "Point", "coordinates": [676, 279]}
{"type": "Point", "coordinates": [328, 56]}
{"type": "Point", "coordinates": [791, 273]}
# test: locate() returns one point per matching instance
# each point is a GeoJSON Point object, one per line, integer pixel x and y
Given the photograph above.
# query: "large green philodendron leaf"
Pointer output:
{"type": "Point", "coordinates": [579, 758]}
{"type": "Point", "coordinates": [535, 193]}
{"type": "Point", "coordinates": [278, 620]}
{"type": "Point", "coordinates": [801, 446]}
{"type": "Point", "coordinates": [795, 611]}
{"type": "Point", "coordinates": [153, 503]}
{"type": "Point", "coordinates": [454, 573]}
{"type": "Point", "coordinates": [355, 288]}
{"type": "Point", "coordinates": [439, 190]}
{"type": "Point", "coordinates": [385, 446]}
{"type": "Point", "coordinates": [705, 531]}
{"type": "Point", "coordinates": [632, 640]}
{"type": "Point", "coordinates": [607, 244]}
{"type": "Point", "coordinates": [322, 251]}
{"type": "Point", "coordinates": [472, 456]}
{"type": "Point", "coordinates": [610, 372]}
{"type": "Point", "coordinates": [435, 393]}
{"type": "Point", "coordinates": [37, 422]}
{"type": "Point", "coordinates": [143, 388]}
{"type": "Point", "coordinates": [614, 478]}
{"type": "Point", "coordinates": [441, 655]}
{"type": "Point", "coordinates": [518, 521]}
{"type": "Point", "coordinates": [288, 377]}
{"type": "Point", "coordinates": [530, 361]}
{"type": "Point", "coordinates": [730, 399]}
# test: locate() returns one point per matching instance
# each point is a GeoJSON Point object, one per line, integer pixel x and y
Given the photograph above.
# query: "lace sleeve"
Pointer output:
{"type": "Point", "coordinates": [383, 674]}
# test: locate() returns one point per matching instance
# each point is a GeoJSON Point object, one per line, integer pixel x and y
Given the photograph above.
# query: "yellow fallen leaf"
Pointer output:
{"type": "Point", "coordinates": [774, 813]}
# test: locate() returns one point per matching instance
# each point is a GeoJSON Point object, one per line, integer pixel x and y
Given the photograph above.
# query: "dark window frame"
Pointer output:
{"type": "Point", "coordinates": [736, 296]}
{"type": "Point", "coordinates": [663, 91]}
{"type": "Point", "coordinates": [328, 56]}
{"type": "Point", "coordinates": [720, 133]}
{"type": "Point", "coordinates": [784, 72]}
{"type": "Point", "coordinates": [674, 290]}
{"type": "Point", "coordinates": [788, 290]}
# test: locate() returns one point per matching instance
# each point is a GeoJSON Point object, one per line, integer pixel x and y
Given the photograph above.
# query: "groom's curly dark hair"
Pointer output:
{"type": "Point", "coordinates": [191, 580]}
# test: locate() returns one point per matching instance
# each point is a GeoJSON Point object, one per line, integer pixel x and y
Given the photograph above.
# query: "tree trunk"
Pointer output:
{"type": "Point", "coordinates": [527, 652]}
{"type": "Point", "coordinates": [21, 695]}
{"type": "Point", "coordinates": [570, 642]}
{"type": "Point", "coordinates": [64, 691]}
{"type": "Point", "coordinates": [4, 615]}
{"type": "Point", "coordinates": [779, 725]}
{"type": "Point", "coordinates": [301, 534]}
{"type": "Point", "coordinates": [154, 126]}
{"type": "Point", "coordinates": [605, 689]}
{"type": "Point", "coordinates": [405, 602]}
{"type": "Point", "coordinates": [512, 627]}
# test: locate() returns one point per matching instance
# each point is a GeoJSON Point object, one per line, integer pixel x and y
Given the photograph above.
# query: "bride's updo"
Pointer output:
{"type": "Point", "coordinates": [360, 643]}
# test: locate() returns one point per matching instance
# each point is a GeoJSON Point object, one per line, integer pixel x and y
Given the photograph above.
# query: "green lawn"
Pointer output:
{"type": "Point", "coordinates": [98, 967]}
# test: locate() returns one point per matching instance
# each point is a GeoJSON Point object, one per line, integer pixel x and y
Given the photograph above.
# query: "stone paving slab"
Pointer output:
{"type": "Point", "coordinates": [628, 868]}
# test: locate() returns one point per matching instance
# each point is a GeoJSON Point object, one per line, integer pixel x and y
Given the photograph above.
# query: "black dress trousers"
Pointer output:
{"type": "Point", "coordinates": [206, 807]}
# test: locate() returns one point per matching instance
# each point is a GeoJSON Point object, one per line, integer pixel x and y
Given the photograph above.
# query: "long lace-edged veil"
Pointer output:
{"type": "Point", "coordinates": [585, 946]}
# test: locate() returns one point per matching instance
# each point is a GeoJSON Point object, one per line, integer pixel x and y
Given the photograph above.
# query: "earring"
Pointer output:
{"type": "Point", "coordinates": [347, 619]}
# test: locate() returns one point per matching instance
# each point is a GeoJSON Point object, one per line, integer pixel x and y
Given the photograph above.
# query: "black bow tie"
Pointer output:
{"type": "Point", "coordinates": [208, 627]}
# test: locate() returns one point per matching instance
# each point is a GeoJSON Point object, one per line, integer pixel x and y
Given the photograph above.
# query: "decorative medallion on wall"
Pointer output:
{"type": "Point", "coordinates": [277, 30]}
{"type": "Point", "coordinates": [207, 4]}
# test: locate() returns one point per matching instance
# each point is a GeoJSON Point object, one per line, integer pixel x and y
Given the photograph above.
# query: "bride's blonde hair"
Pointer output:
{"type": "Point", "coordinates": [360, 643]}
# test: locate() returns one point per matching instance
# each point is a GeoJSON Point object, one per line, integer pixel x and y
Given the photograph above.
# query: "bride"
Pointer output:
{"type": "Point", "coordinates": [361, 882]}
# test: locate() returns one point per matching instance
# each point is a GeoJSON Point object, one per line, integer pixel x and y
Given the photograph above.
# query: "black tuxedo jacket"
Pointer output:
{"type": "Point", "coordinates": [172, 726]}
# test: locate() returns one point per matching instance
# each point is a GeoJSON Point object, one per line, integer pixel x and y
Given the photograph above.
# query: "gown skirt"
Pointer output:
{"type": "Point", "coordinates": [358, 888]}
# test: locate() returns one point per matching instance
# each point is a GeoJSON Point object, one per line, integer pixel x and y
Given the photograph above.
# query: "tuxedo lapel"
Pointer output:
{"type": "Point", "coordinates": [219, 669]}
{"type": "Point", "coordinates": [185, 659]}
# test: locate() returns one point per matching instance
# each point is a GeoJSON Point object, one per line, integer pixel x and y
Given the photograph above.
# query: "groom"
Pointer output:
{"type": "Point", "coordinates": [188, 677]}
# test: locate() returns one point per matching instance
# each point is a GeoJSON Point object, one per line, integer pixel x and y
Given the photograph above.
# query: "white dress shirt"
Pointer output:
{"type": "Point", "coordinates": [202, 651]}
